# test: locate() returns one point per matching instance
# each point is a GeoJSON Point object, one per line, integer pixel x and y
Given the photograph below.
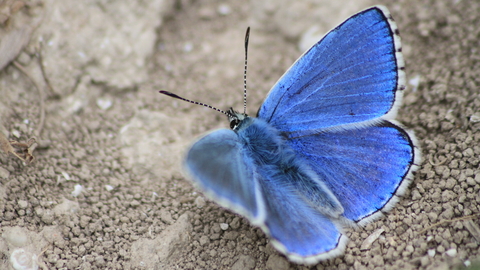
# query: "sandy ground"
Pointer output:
{"type": "Point", "coordinates": [105, 190]}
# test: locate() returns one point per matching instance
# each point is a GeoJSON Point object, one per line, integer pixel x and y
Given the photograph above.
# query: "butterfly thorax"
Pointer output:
{"type": "Point", "coordinates": [262, 138]}
{"type": "Point", "coordinates": [273, 156]}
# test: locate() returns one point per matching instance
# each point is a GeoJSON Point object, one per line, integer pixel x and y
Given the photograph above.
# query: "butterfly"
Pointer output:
{"type": "Point", "coordinates": [324, 151]}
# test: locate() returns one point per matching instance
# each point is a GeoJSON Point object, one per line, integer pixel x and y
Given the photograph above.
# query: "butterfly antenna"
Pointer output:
{"type": "Point", "coordinates": [247, 35]}
{"type": "Point", "coordinates": [194, 102]}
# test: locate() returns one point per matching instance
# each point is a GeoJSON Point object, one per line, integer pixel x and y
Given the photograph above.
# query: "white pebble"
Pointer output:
{"type": "Point", "coordinates": [200, 202]}
{"type": "Point", "coordinates": [414, 82]}
{"type": "Point", "coordinates": [224, 226]}
{"type": "Point", "coordinates": [77, 190]}
{"type": "Point", "coordinates": [66, 176]}
{"type": "Point", "coordinates": [224, 9]}
{"type": "Point", "coordinates": [109, 188]}
{"type": "Point", "coordinates": [188, 47]}
{"type": "Point", "coordinates": [451, 252]}
{"type": "Point", "coordinates": [368, 242]}
{"type": "Point", "coordinates": [16, 133]}
{"type": "Point", "coordinates": [475, 118]}
{"type": "Point", "coordinates": [23, 260]}
{"type": "Point", "coordinates": [431, 252]}
{"type": "Point", "coordinates": [104, 103]}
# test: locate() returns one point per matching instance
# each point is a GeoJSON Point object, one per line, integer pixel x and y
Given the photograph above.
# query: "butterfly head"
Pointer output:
{"type": "Point", "coordinates": [235, 118]}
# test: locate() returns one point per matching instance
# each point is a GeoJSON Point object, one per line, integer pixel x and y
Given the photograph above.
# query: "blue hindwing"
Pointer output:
{"type": "Point", "coordinates": [217, 164]}
{"type": "Point", "coordinates": [364, 167]}
{"type": "Point", "coordinates": [301, 214]}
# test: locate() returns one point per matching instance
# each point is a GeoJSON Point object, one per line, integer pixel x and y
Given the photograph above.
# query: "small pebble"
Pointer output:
{"type": "Point", "coordinates": [66, 176]}
{"type": "Point", "coordinates": [4, 173]}
{"type": "Point", "coordinates": [22, 259]}
{"type": "Point", "coordinates": [22, 204]}
{"type": "Point", "coordinates": [200, 202]}
{"type": "Point", "coordinates": [188, 47]}
{"type": "Point", "coordinates": [77, 190]}
{"type": "Point", "coordinates": [451, 252]}
{"type": "Point", "coordinates": [224, 9]}
{"type": "Point", "coordinates": [104, 103]}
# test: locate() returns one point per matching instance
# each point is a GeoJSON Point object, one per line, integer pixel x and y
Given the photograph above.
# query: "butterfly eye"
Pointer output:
{"type": "Point", "coordinates": [234, 123]}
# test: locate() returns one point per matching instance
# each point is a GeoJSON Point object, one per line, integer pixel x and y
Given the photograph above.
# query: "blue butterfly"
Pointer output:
{"type": "Point", "coordinates": [323, 152]}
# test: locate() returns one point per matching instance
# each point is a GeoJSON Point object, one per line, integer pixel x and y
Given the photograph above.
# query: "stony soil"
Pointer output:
{"type": "Point", "coordinates": [106, 191]}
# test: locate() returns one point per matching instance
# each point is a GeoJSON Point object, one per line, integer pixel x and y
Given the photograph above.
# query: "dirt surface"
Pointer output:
{"type": "Point", "coordinates": [106, 191]}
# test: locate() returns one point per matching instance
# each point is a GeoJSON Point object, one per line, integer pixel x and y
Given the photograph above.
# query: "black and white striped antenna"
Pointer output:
{"type": "Point", "coordinates": [194, 102]}
{"type": "Point", "coordinates": [227, 113]}
{"type": "Point", "coordinates": [247, 35]}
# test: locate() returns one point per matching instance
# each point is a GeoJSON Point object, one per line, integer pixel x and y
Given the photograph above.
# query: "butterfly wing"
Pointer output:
{"type": "Point", "coordinates": [334, 104]}
{"type": "Point", "coordinates": [226, 169]}
{"type": "Point", "coordinates": [299, 230]}
{"type": "Point", "coordinates": [331, 105]}
{"type": "Point", "coordinates": [351, 75]}
{"type": "Point", "coordinates": [301, 213]}
{"type": "Point", "coordinates": [366, 168]}
{"type": "Point", "coordinates": [218, 165]}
